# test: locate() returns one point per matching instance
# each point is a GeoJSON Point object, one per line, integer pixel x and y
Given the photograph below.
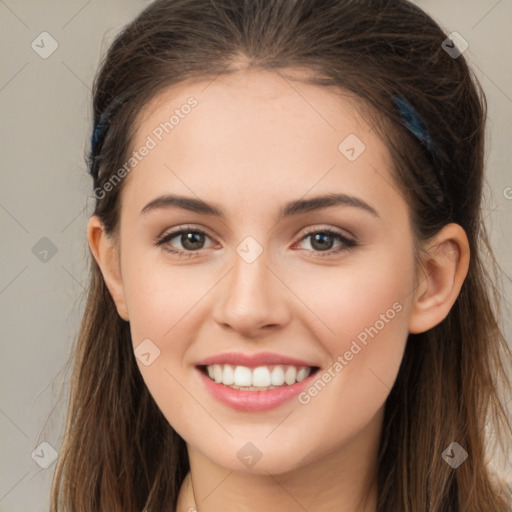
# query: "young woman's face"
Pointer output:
{"type": "Point", "coordinates": [254, 280]}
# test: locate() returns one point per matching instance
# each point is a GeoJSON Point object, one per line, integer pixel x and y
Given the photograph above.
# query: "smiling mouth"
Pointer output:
{"type": "Point", "coordinates": [260, 378]}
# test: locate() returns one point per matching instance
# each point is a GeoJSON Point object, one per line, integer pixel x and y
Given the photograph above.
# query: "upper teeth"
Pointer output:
{"type": "Point", "coordinates": [261, 376]}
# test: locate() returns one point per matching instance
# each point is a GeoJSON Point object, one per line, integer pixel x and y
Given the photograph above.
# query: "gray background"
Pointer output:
{"type": "Point", "coordinates": [45, 193]}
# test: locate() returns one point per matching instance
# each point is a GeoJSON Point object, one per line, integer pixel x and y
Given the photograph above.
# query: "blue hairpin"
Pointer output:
{"type": "Point", "coordinates": [102, 124]}
{"type": "Point", "coordinates": [413, 122]}
{"type": "Point", "coordinates": [99, 128]}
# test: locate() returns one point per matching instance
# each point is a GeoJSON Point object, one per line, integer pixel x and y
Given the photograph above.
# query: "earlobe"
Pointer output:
{"type": "Point", "coordinates": [105, 252]}
{"type": "Point", "coordinates": [444, 267]}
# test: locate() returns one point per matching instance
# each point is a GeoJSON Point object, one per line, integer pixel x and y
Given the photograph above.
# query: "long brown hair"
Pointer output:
{"type": "Point", "coordinates": [119, 453]}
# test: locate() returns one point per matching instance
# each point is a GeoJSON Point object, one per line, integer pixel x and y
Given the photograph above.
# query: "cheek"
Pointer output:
{"type": "Point", "coordinates": [364, 312]}
{"type": "Point", "coordinates": [160, 297]}
{"type": "Point", "coordinates": [354, 301]}
{"type": "Point", "coordinates": [164, 304]}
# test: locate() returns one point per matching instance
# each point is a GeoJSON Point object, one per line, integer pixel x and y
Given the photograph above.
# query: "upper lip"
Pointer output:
{"type": "Point", "coordinates": [252, 360]}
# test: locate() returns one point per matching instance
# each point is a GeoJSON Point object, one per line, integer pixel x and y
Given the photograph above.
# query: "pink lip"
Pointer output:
{"type": "Point", "coordinates": [252, 401]}
{"type": "Point", "coordinates": [252, 360]}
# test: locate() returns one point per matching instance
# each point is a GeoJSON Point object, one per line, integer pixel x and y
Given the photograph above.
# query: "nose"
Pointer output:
{"type": "Point", "coordinates": [253, 299]}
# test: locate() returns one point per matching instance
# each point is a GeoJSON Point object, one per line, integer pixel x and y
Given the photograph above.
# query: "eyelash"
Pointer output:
{"type": "Point", "coordinates": [348, 243]}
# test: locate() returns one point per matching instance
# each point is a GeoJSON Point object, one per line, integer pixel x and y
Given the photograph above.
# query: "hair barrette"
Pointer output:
{"type": "Point", "coordinates": [413, 122]}
{"type": "Point", "coordinates": [101, 125]}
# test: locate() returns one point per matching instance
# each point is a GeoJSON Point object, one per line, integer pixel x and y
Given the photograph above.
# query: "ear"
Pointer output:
{"type": "Point", "coordinates": [443, 268]}
{"type": "Point", "coordinates": [105, 251]}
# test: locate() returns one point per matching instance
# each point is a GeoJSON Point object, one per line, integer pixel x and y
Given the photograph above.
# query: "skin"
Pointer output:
{"type": "Point", "coordinates": [254, 142]}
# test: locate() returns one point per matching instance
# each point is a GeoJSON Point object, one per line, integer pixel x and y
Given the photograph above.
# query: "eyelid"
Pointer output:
{"type": "Point", "coordinates": [184, 227]}
{"type": "Point", "coordinates": [338, 231]}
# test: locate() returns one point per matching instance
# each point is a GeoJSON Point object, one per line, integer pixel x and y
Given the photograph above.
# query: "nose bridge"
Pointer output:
{"type": "Point", "coordinates": [251, 298]}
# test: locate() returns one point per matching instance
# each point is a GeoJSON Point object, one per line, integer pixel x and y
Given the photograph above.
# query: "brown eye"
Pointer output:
{"type": "Point", "coordinates": [191, 241]}
{"type": "Point", "coordinates": [322, 241]}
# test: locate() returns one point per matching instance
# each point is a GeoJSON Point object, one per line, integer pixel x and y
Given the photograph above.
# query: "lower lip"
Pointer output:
{"type": "Point", "coordinates": [253, 400]}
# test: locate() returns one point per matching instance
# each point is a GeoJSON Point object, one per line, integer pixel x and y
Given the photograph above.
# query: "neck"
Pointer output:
{"type": "Point", "coordinates": [345, 479]}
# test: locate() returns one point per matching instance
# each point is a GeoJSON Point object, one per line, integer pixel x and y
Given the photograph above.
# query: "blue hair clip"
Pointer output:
{"type": "Point", "coordinates": [99, 129]}
{"type": "Point", "coordinates": [413, 122]}
{"type": "Point", "coordinates": [102, 124]}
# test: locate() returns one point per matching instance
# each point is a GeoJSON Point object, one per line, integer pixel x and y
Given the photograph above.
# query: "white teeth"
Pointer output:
{"type": "Point", "coordinates": [303, 373]}
{"type": "Point", "coordinates": [229, 375]}
{"type": "Point", "coordinates": [289, 375]}
{"type": "Point", "coordinates": [261, 377]}
{"type": "Point", "coordinates": [217, 373]}
{"type": "Point", "coordinates": [243, 376]}
{"type": "Point", "coordinates": [277, 377]}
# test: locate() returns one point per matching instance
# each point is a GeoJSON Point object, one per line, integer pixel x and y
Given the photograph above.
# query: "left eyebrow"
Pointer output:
{"type": "Point", "coordinates": [325, 201]}
{"type": "Point", "coordinates": [292, 208]}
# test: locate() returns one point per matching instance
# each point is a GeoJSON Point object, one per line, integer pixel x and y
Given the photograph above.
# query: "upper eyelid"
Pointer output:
{"type": "Point", "coordinates": [338, 231]}
{"type": "Point", "coordinates": [186, 228]}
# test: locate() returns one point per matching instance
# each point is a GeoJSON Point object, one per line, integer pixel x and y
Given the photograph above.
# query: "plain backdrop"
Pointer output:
{"type": "Point", "coordinates": [45, 201]}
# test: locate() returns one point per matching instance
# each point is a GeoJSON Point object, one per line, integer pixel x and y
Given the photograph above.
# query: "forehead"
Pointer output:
{"type": "Point", "coordinates": [251, 133]}
{"type": "Point", "coordinates": [267, 95]}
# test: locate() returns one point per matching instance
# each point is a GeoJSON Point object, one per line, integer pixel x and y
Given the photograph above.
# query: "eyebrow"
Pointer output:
{"type": "Point", "coordinates": [292, 208]}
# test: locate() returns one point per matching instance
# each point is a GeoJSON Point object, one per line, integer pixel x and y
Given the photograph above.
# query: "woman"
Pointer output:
{"type": "Point", "coordinates": [288, 307]}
